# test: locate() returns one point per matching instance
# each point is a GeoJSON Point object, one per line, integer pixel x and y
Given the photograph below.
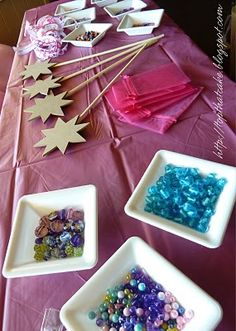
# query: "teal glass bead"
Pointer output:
{"type": "Point", "coordinates": [91, 315]}
{"type": "Point", "coordinates": [105, 316]}
{"type": "Point", "coordinates": [142, 287]}
{"type": "Point", "coordinates": [138, 327]}
{"type": "Point", "coordinates": [133, 282]}
{"type": "Point", "coordinates": [115, 318]}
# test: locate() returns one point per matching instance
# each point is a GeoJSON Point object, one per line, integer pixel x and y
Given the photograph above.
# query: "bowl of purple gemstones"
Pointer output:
{"type": "Point", "coordinates": [187, 196]}
{"type": "Point", "coordinates": [140, 23]}
{"type": "Point", "coordinates": [87, 35]}
{"type": "Point", "coordinates": [53, 232]}
{"type": "Point", "coordinates": [129, 294]}
{"type": "Point", "coordinates": [122, 8]}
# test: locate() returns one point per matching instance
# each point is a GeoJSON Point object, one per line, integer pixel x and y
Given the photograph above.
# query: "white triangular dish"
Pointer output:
{"type": "Point", "coordinates": [19, 260]}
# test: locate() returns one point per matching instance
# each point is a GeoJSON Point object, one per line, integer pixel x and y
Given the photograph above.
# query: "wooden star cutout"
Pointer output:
{"type": "Point", "coordinates": [61, 135]}
{"type": "Point", "coordinates": [50, 105]}
{"type": "Point", "coordinates": [42, 86]}
{"type": "Point", "coordinates": [36, 69]}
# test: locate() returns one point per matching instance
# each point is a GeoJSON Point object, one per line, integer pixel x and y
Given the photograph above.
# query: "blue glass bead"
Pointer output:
{"type": "Point", "coordinates": [91, 315]}
{"type": "Point", "coordinates": [77, 240]}
{"type": "Point", "coordinates": [65, 236]}
{"type": "Point", "coordinates": [152, 190]}
{"type": "Point", "coordinates": [181, 310]}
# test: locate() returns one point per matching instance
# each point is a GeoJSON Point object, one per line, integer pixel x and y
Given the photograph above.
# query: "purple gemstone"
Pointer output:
{"type": "Point", "coordinates": [62, 214]}
{"type": "Point", "coordinates": [38, 241]}
{"type": "Point", "coordinates": [77, 240]}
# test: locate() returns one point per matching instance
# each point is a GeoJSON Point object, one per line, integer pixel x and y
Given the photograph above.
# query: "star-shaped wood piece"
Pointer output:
{"type": "Point", "coordinates": [50, 105]}
{"type": "Point", "coordinates": [42, 86]}
{"type": "Point", "coordinates": [61, 135]}
{"type": "Point", "coordinates": [36, 69]}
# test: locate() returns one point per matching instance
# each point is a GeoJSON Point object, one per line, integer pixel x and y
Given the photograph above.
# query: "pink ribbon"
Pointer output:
{"type": "Point", "coordinates": [45, 38]}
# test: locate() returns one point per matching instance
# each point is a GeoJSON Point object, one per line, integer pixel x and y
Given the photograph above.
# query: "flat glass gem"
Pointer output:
{"type": "Point", "coordinates": [184, 196]}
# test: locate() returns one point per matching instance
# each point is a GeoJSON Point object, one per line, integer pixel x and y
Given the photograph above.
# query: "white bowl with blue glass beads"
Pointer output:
{"type": "Point", "coordinates": [204, 223]}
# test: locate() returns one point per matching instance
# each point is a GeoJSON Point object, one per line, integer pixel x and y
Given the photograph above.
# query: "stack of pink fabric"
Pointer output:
{"type": "Point", "coordinates": [154, 99]}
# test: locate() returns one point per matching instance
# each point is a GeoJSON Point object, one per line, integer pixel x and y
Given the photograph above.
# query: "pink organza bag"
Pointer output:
{"type": "Point", "coordinates": [154, 99]}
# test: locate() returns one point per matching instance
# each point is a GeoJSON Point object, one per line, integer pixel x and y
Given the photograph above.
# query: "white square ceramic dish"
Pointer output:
{"type": "Point", "coordinates": [141, 22]}
{"type": "Point", "coordinates": [218, 223]}
{"type": "Point", "coordinates": [74, 313]}
{"type": "Point", "coordinates": [122, 8]}
{"type": "Point", "coordinates": [102, 3]}
{"type": "Point", "coordinates": [69, 7]}
{"type": "Point", "coordinates": [74, 19]}
{"type": "Point", "coordinates": [19, 260]}
{"type": "Point", "coordinates": [101, 28]}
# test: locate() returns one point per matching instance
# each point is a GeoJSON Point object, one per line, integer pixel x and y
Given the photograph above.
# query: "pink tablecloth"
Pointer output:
{"type": "Point", "coordinates": [114, 159]}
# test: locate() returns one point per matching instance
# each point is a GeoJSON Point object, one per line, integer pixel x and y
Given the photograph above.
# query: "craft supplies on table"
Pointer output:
{"type": "Point", "coordinates": [70, 7]}
{"type": "Point", "coordinates": [113, 280]}
{"type": "Point", "coordinates": [120, 9]}
{"type": "Point", "coordinates": [102, 3]}
{"type": "Point", "coordinates": [74, 19]}
{"type": "Point", "coordinates": [25, 257]}
{"type": "Point", "coordinates": [138, 208]}
{"type": "Point", "coordinates": [83, 30]}
{"type": "Point", "coordinates": [140, 23]}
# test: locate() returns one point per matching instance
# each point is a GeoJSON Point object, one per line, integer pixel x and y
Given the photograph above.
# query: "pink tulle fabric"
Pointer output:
{"type": "Point", "coordinates": [153, 99]}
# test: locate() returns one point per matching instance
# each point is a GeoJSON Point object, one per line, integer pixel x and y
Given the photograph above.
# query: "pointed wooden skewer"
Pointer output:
{"type": "Point", "coordinates": [38, 68]}
{"type": "Point", "coordinates": [43, 86]}
{"type": "Point", "coordinates": [87, 57]}
{"type": "Point", "coordinates": [100, 73]}
{"type": "Point", "coordinates": [92, 104]}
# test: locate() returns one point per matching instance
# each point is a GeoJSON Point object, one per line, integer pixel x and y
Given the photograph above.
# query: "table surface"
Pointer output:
{"type": "Point", "coordinates": [113, 158]}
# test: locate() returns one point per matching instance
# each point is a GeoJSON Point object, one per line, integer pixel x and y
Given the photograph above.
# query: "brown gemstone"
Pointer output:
{"type": "Point", "coordinates": [41, 231]}
{"type": "Point", "coordinates": [45, 221]}
{"type": "Point", "coordinates": [56, 226]}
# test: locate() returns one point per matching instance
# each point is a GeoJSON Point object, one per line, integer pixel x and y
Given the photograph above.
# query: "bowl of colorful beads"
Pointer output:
{"type": "Point", "coordinates": [128, 293]}
{"type": "Point", "coordinates": [69, 7]}
{"type": "Point", "coordinates": [74, 19]}
{"type": "Point", "coordinates": [87, 35]}
{"type": "Point", "coordinates": [122, 8]}
{"type": "Point", "coordinates": [187, 196]}
{"type": "Point", "coordinates": [140, 23]}
{"type": "Point", "coordinates": [53, 232]}
{"type": "Point", "coordinates": [102, 3]}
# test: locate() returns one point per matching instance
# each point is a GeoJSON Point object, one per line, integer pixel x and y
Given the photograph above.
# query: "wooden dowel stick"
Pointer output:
{"type": "Point", "coordinates": [100, 73]}
{"type": "Point", "coordinates": [154, 39]}
{"type": "Point", "coordinates": [84, 113]}
{"type": "Point", "coordinates": [98, 63]}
